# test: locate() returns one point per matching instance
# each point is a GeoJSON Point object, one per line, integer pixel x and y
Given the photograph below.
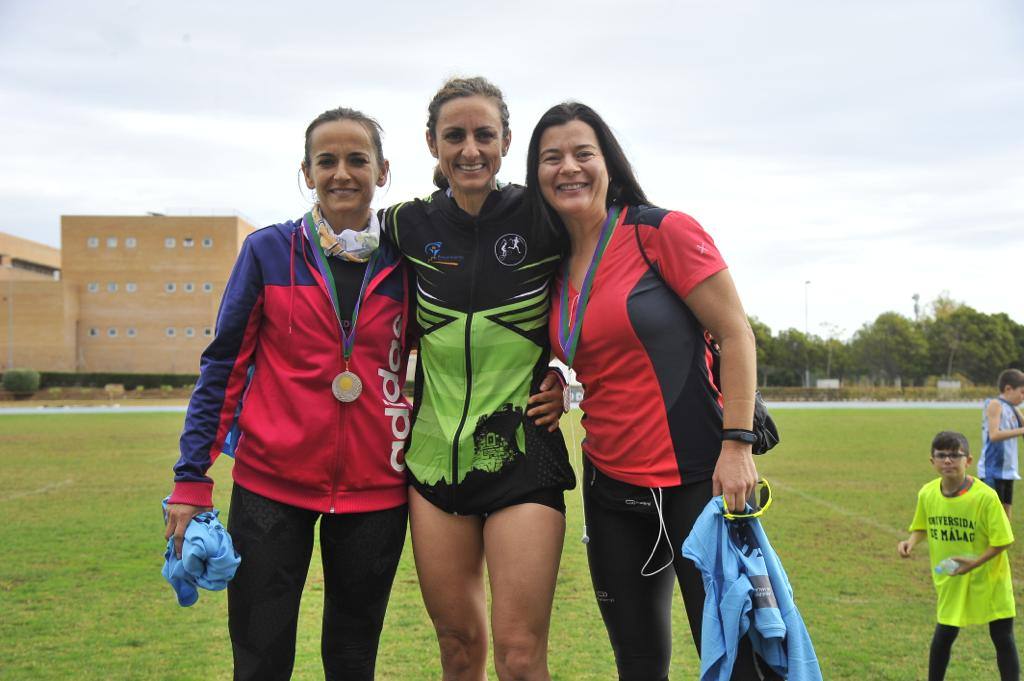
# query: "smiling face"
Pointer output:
{"type": "Point", "coordinates": [344, 170]}
{"type": "Point", "coordinates": [468, 143]}
{"type": "Point", "coordinates": [572, 174]}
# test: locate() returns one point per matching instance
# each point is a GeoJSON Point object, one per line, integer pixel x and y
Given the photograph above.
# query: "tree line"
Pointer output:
{"type": "Point", "coordinates": [951, 340]}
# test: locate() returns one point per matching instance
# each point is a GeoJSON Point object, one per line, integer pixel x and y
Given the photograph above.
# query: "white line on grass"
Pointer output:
{"type": "Point", "coordinates": [896, 532]}
{"type": "Point", "coordinates": [45, 489]}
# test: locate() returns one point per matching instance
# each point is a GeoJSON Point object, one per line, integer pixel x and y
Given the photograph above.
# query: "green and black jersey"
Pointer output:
{"type": "Point", "coordinates": [483, 297]}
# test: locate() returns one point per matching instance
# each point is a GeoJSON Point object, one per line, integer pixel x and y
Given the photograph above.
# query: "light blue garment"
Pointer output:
{"type": "Point", "coordinates": [746, 585]}
{"type": "Point", "coordinates": [999, 459]}
{"type": "Point", "coordinates": [208, 558]}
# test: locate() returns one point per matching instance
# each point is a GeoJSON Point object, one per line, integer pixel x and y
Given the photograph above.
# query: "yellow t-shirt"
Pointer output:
{"type": "Point", "coordinates": [965, 526]}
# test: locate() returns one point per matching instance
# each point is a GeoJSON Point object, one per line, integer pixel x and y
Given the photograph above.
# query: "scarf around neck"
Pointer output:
{"type": "Point", "coordinates": [351, 245]}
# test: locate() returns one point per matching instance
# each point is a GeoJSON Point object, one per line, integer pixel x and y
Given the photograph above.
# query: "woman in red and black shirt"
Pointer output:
{"type": "Point", "coordinates": [639, 292]}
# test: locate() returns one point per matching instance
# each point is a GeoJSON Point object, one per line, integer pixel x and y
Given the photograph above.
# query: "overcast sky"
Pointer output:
{"type": "Point", "coordinates": [873, 148]}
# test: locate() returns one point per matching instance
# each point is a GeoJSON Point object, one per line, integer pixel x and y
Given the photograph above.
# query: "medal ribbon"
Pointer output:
{"type": "Point", "coordinates": [348, 340]}
{"type": "Point", "coordinates": [570, 326]}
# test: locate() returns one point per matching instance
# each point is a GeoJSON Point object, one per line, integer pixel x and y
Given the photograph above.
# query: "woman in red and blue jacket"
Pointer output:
{"type": "Point", "coordinates": [303, 381]}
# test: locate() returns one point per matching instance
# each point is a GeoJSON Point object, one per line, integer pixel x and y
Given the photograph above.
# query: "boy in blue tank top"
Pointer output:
{"type": "Point", "coordinates": [1001, 425]}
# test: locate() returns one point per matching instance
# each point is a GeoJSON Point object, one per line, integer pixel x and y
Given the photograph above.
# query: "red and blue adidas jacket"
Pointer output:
{"type": "Point", "coordinates": [268, 375]}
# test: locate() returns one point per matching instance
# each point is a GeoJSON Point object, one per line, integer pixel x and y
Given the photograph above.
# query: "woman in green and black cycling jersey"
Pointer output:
{"type": "Point", "coordinates": [486, 463]}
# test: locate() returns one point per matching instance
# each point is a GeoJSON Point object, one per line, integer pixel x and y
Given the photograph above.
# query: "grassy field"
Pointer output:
{"type": "Point", "coordinates": [81, 546]}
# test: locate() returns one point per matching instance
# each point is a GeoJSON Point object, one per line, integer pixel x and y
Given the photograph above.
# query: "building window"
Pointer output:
{"type": "Point", "coordinates": [92, 242]}
{"type": "Point", "coordinates": [93, 287]}
{"type": "Point", "coordinates": [129, 242]}
{"type": "Point", "coordinates": [207, 242]}
{"type": "Point", "coordinates": [189, 331]}
{"type": "Point", "coordinates": [207, 287]}
{"type": "Point", "coordinates": [130, 332]}
{"type": "Point", "coordinates": [190, 287]}
{"type": "Point", "coordinates": [169, 242]}
{"type": "Point", "coordinates": [112, 287]}
{"type": "Point", "coordinates": [111, 242]}
{"type": "Point", "coordinates": [170, 287]}
{"type": "Point", "coordinates": [170, 332]}
{"type": "Point", "coordinates": [208, 331]}
{"type": "Point", "coordinates": [93, 331]}
{"type": "Point", "coordinates": [188, 242]}
{"type": "Point", "coordinates": [112, 332]}
{"type": "Point", "coordinates": [131, 287]}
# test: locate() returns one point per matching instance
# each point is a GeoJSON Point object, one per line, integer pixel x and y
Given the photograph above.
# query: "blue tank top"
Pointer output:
{"type": "Point", "coordinates": [999, 459]}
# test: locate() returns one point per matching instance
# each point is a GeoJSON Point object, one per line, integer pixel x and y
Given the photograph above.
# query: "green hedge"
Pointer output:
{"type": "Point", "coordinates": [878, 393]}
{"type": "Point", "coordinates": [20, 381]}
{"type": "Point", "coordinates": [55, 379]}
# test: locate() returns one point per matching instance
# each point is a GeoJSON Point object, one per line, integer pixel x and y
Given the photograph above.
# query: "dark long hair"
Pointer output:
{"type": "Point", "coordinates": [623, 186]}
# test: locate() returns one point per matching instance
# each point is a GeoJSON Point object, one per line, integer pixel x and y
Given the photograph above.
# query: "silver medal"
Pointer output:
{"type": "Point", "coordinates": [346, 387]}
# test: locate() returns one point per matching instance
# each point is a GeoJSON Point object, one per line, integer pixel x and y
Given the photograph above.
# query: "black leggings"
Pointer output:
{"type": "Point", "coordinates": [1001, 632]}
{"type": "Point", "coordinates": [622, 525]}
{"type": "Point", "coordinates": [360, 553]}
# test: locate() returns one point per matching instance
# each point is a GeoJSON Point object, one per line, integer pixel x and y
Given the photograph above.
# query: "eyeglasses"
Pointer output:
{"type": "Point", "coordinates": [759, 500]}
{"type": "Point", "coordinates": [949, 456]}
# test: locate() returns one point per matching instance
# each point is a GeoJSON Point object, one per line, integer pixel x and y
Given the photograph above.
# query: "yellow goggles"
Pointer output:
{"type": "Point", "coordinates": [759, 500]}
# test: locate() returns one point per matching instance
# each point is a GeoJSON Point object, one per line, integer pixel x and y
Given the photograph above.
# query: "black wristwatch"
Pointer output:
{"type": "Point", "coordinates": [740, 435]}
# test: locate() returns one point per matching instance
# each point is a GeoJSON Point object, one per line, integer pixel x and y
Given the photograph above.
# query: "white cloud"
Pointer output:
{"type": "Point", "coordinates": [874, 148]}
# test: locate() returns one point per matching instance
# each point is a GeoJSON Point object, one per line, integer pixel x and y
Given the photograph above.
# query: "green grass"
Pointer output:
{"type": "Point", "coordinates": [81, 546]}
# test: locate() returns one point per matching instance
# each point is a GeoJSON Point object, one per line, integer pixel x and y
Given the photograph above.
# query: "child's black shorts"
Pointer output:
{"type": "Point", "coordinates": [1003, 488]}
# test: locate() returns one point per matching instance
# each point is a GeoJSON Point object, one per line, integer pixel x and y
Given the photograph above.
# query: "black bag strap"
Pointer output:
{"type": "Point", "coordinates": [640, 247]}
{"type": "Point", "coordinates": [764, 426]}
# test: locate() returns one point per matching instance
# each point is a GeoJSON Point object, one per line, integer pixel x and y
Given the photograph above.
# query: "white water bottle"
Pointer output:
{"type": "Point", "coordinates": [947, 566]}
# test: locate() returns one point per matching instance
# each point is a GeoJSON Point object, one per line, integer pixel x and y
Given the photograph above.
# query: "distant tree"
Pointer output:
{"type": "Point", "coordinates": [765, 350]}
{"type": "Point", "coordinates": [944, 335]}
{"type": "Point", "coordinates": [835, 357]}
{"type": "Point", "coordinates": [794, 353]}
{"type": "Point", "coordinates": [944, 305]}
{"type": "Point", "coordinates": [891, 349]}
{"type": "Point", "coordinates": [977, 345]}
{"type": "Point", "coordinates": [1017, 331]}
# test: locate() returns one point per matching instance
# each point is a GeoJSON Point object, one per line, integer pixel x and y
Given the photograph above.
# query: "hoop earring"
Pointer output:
{"type": "Point", "coordinates": [312, 195]}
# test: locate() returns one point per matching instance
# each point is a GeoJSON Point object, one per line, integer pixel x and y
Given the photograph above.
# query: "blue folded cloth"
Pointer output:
{"type": "Point", "coordinates": [208, 558]}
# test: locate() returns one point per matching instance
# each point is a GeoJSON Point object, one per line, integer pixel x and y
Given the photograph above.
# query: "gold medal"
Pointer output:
{"type": "Point", "coordinates": [346, 386]}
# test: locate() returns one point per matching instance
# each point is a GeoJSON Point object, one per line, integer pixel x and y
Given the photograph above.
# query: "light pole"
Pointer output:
{"type": "Point", "coordinates": [807, 337]}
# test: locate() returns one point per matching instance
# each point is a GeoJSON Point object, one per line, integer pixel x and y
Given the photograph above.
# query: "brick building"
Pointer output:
{"type": "Point", "coordinates": [134, 294]}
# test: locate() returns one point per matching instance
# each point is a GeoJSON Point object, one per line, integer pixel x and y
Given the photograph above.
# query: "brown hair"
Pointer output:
{"type": "Point", "coordinates": [342, 113]}
{"type": "Point", "coordinates": [1011, 378]}
{"type": "Point", "coordinates": [951, 440]}
{"type": "Point", "coordinates": [463, 87]}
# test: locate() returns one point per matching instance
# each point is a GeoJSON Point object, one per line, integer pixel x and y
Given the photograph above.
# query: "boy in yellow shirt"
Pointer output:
{"type": "Point", "coordinates": [963, 520]}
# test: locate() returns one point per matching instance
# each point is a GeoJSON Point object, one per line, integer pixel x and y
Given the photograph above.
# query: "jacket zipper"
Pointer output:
{"type": "Point", "coordinates": [469, 366]}
{"type": "Point", "coordinates": [341, 430]}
